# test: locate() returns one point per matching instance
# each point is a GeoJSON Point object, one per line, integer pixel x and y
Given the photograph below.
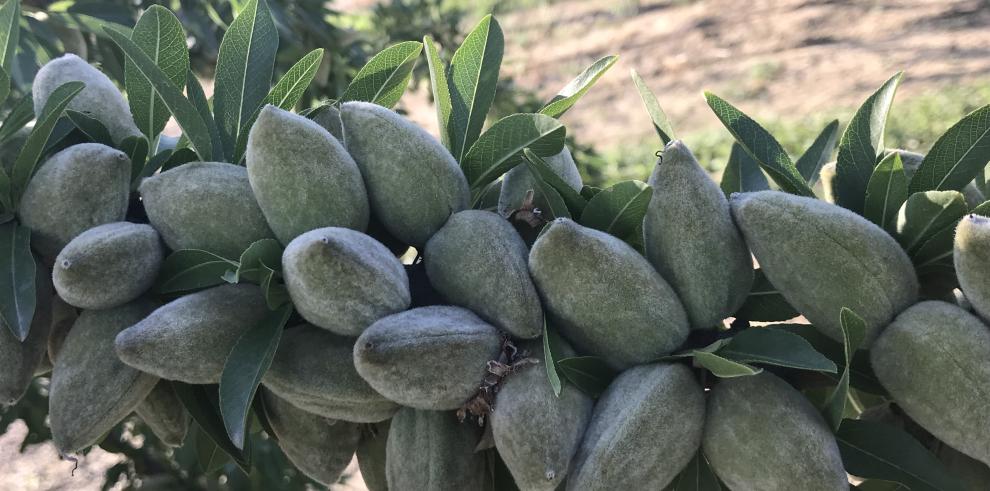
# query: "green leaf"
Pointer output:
{"type": "Point", "coordinates": [697, 476]}
{"type": "Point", "coordinates": [811, 161]}
{"type": "Point", "coordinates": [201, 402]}
{"type": "Point", "coordinates": [926, 214]}
{"type": "Point", "coordinates": [136, 148]}
{"type": "Point", "coordinates": [618, 209]}
{"type": "Point", "coordinates": [575, 89]}
{"type": "Point", "coordinates": [385, 77]}
{"type": "Point", "coordinates": [179, 157]}
{"type": "Point", "coordinates": [588, 192]}
{"type": "Point", "coordinates": [853, 334]}
{"type": "Point", "coordinates": [538, 167]}
{"type": "Point", "coordinates": [245, 366]}
{"type": "Point", "coordinates": [765, 303]}
{"type": "Point", "coordinates": [255, 257]}
{"type": "Point", "coordinates": [861, 145]}
{"type": "Point", "coordinates": [958, 156]}
{"type": "Point", "coordinates": [192, 124]}
{"type": "Point", "coordinates": [192, 269]}
{"type": "Point", "coordinates": [723, 367]}
{"type": "Point", "coordinates": [549, 201]}
{"type": "Point", "coordinates": [886, 192]}
{"type": "Point", "coordinates": [4, 86]}
{"type": "Point", "coordinates": [19, 116]}
{"type": "Point", "coordinates": [441, 91]}
{"type": "Point", "coordinates": [276, 294]}
{"type": "Point", "coordinates": [472, 77]}
{"type": "Point", "coordinates": [660, 122]}
{"type": "Point", "coordinates": [861, 376]}
{"type": "Point", "coordinates": [488, 198]}
{"type": "Point", "coordinates": [590, 374]}
{"type": "Point", "coordinates": [198, 99]}
{"type": "Point", "coordinates": [153, 165]}
{"type": "Point", "coordinates": [27, 159]}
{"type": "Point", "coordinates": [91, 127]}
{"type": "Point", "coordinates": [742, 174]}
{"type": "Point", "coordinates": [10, 17]}
{"type": "Point", "coordinates": [244, 70]}
{"type": "Point", "coordinates": [158, 33]}
{"type": "Point", "coordinates": [876, 450]}
{"type": "Point", "coordinates": [769, 346]}
{"type": "Point", "coordinates": [209, 456]}
{"type": "Point", "coordinates": [761, 146]}
{"type": "Point", "coordinates": [500, 148]}
{"type": "Point", "coordinates": [17, 287]}
{"type": "Point", "coordinates": [548, 361]}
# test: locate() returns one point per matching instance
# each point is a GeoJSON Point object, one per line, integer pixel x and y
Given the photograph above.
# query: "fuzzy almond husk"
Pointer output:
{"type": "Point", "coordinates": [164, 413]}
{"type": "Point", "coordinates": [371, 455]}
{"type": "Point", "coordinates": [972, 260]}
{"type": "Point", "coordinates": [519, 181]}
{"type": "Point", "coordinates": [432, 450]}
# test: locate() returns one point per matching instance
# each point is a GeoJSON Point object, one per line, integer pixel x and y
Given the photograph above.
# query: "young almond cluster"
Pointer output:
{"type": "Point", "coordinates": [365, 351]}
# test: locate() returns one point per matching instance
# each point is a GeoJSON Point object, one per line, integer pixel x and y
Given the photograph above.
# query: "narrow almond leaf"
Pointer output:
{"type": "Point", "coordinates": [742, 174]}
{"type": "Point", "coordinates": [590, 374]}
{"type": "Point", "coordinates": [886, 192]}
{"type": "Point", "coordinates": [198, 99]}
{"type": "Point", "coordinates": [765, 303]}
{"type": "Point", "coordinates": [192, 269]}
{"type": "Point", "coordinates": [958, 156]}
{"type": "Point", "coordinates": [276, 294]}
{"type": "Point", "coordinates": [575, 89]}
{"type": "Point", "coordinates": [4, 86]}
{"type": "Point", "coordinates": [660, 122]}
{"type": "Point", "coordinates": [811, 161]}
{"type": "Point", "coordinates": [861, 145]}
{"type": "Point", "coordinates": [6, 209]}
{"type": "Point", "coordinates": [255, 257]}
{"type": "Point", "coordinates": [761, 146]}
{"type": "Point", "coordinates": [548, 361]}
{"type": "Point", "coordinates": [500, 148]}
{"type": "Point", "coordinates": [618, 209]}
{"type": "Point", "coordinates": [769, 346]}
{"type": "Point", "coordinates": [179, 157]}
{"type": "Point", "coordinates": [926, 214]}
{"type": "Point", "coordinates": [17, 271]}
{"type": "Point", "coordinates": [876, 450]}
{"type": "Point", "coordinates": [153, 165]}
{"type": "Point", "coordinates": [192, 124]}
{"type": "Point", "coordinates": [385, 77]}
{"type": "Point", "coordinates": [27, 159]}
{"type": "Point", "coordinates": [472, 77]}
{"type": "Point", "coordinates": [19, 116]}
{"type": "Point", "coordinates": [284, 95]}
{"type": "Point", "coordinates": [244, 70]}
{"type": "Point", "coordinates": [10, 17]}
{"type": "Point", "coordinates": [861, 376]}
{"type": "Point", "coordinates": [136, 148]}
{"type": "Point", "coordinates": [588, 192]}
{"type": "Point", "coordinates": [697, 476]}
{"type": "Point", "coordinates": [160, 35]}
{"type": "Point", "coordinates": [539, 167]}
{"type": "Point", "coordinates": [549, 202]}
{"type": "Point", "coordinates": [209, 456]}
{"type": "Point", "coordinates": [853, 334]}
{"type": "Point", "coordinates": [723, 367]}
{"type": "Point", "coordinates": [245, 366]}
{"type": "Point", "coordinates": [441, 91]}
{"type": "Point", "coordinates": [91, 127]}
{"type": "Point", "coordinates": [201, 402]}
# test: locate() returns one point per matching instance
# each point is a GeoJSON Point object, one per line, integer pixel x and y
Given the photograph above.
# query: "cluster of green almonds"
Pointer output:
{"type": "Point", "coordinates": [367, 373]}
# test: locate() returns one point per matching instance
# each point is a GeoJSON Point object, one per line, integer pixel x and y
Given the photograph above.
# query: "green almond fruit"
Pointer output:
{"type": "Point", "coordinates": [933, 361]}
{"type": "Point", "coordinates": [763, 435]}
{"type": "Point", "coordinates": [691, 240]}
{"type": "Point", "coordinates": [912, 161]}
{"type": "Point", "coordinates": [432, 450]}
{"type": "Point", "coordinates": [428, 357]}
{"type": "Point", "coordinates": [205, 205]}
{"type": "Point", "coordinates": [91, 389]}
{"type": "Point", "coordinates": [100, 99]}
{"type": "Point", "coordinates": [822, 257]}
{"type": "Point", "coordinates": [20, 361]}
{"type": "Point", "coordinates": [646, 428]}
{"type": "Point", "coordinates": [328, 116]}
{"type": "Point", "coordinates": [478, 261]}
{"type": "Point", "coordinates": [163, 412]}
{"type": "Point", "coordinates": [972, 260]}
{"type": "Point", "coordinates": [413, 182]}
{"type": "Point", "coordinates": [63, 317]}
{"type": "Point", "coordinates": [188, 339]}
{"type": "Point", "coordinates": [76, 189]}
{"type": "Point", "coordinates": [519, 181]}
{"type": "Point", "coordinates": [108, 265]}
{"type": "Point", "coordinates": [537, 432]}
{"type": "Point", "coordinates": [319, 447]}
{"type": "Point", "coordinates": [372, 457]}
{"type": "Point", "coordinates": [314, 370]}
{"type": "Point", "coordinates": [302, 177]}
{"type": "Point", "coordinates": [343, 280]}
{"type": "Point", "coordinates": [605, 297]}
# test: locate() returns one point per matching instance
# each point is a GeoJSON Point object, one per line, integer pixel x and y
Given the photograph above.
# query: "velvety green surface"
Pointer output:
{"type": "Point", "coordinates": [19, 361]}
{"type": "Point", "coordinates": [428, 357]}
{"type": "Point", "coordinates": [690, 238]}
{"type": "Point", "coordinates": [302, 177]}
{"type": "Point", "coordinates": [645, 429]}
{"type": "Point", "coordinates": [413, 182]}
{"type": "Point", "coordinates": [478, 261]}
{"type": "Point", "coordinates": [108, 265]}
{"type": "Point", "coordinates": [371, 455]}
{"type": "Point", "coordinates": [188, 339]}
{"type": "Point", "coordinates": [91, 389]}
{"type": "Point", "coordinates": [205, 205]}
{"type": "Point", "coordinates": [314, 370]}
{"type": "Point", "coordinates": [518, 181]}
{"type": "Point", "coordinates": [823, 257]}
{"type": "Point", "coordinates": [78, 188]}
{"type": "Point", "coordinates": [933, 361]}
{"type": "Point", "coordinates": [604, 296]}
{"type": "Point", "coordinates": [431, 450]}
{"type": "Point", "coordinates": [343, 280]}
{"type": "Point", "coordinates": [972, 259]}
{"type": "Point", "coordinates": [164, 413]}
{"type": "Point", "coordinates": [763, 435]}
